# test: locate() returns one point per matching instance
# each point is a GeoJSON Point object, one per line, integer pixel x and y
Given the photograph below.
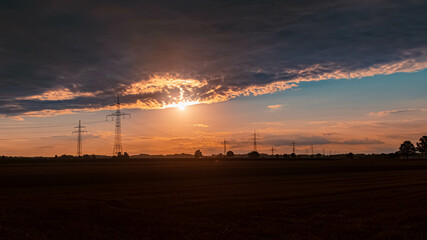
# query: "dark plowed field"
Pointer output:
{"type": "Point", "coordinates": [214, 200]}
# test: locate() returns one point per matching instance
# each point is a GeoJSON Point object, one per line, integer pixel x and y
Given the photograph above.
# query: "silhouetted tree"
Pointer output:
{"type": "Point", "coordinates": [407, 149]}
{"type": "Point", "coordinates": [198, 154]}
{"type": "Point", "coordinates": [422, 145]}
{"type": "Point", "coordinates": [126, 155]}
{"type": "Point", "coordinates": [285, 156]}
{"type": "Point", "coordinates": [350, 155]}
{"type": "Point", "coordinates": [293, 155]}
{"type": "Point", "coordinates": [253, 154]}
{"type": "Point", "coordinates": [230, 154]}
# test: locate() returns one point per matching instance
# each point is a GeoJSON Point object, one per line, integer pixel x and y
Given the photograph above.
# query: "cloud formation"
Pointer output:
{"type": "Point", "coordinates": [396, 111]}
{"type": "Point", "coordinates": [275, 107]}
{"type": "Point", "coordinates": [77, 55]}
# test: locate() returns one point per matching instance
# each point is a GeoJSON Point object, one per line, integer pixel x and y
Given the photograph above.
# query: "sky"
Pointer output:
{"type": "Point", "coordinates": [340, 76]}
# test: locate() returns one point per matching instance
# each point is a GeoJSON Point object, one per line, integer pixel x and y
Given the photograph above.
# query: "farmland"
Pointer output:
{"type": "Point", "coordinates": [214, 199]}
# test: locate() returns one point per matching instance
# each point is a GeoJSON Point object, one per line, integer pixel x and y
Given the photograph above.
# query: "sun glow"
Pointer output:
{"type": "Point", "coordinates": [182, 105]}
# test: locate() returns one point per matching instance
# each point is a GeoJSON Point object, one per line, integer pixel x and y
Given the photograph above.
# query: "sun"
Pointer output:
{"type": "Point", "coordinates": [181, 106]}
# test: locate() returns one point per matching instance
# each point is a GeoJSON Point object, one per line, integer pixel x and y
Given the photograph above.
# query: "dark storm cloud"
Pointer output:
{"type": "Point", "coordinates": [104, 46]}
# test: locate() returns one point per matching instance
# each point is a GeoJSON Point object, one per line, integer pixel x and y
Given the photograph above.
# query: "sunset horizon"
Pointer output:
{"type": "Point", "coordinates": [213, 119]}
{"type": "Point", "coordinates": [343, 77]}
{"type": "Point", "coordinates": [182, 127]}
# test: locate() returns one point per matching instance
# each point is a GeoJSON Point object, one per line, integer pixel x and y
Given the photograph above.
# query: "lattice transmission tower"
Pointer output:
{"type": "Point", "coordinates": [255, 144]}
{"type": "Point", "coordinates": [118, 148]}
{"type": "Point", "coordinates": [79, 132]}
{"type": "Point", "coordinates": [293, 147]}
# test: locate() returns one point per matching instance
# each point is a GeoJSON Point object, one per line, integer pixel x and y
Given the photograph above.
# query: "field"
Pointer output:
{"type": "Point", "coordinates": [214, 199]}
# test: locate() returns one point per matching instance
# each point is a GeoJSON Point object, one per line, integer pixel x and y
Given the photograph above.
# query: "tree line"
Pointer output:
{"type": "Point", "coordinates": [407, 148]}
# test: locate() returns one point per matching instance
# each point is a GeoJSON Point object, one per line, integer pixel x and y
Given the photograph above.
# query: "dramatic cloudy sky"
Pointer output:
{"type": "Point", "coordinates": [341, 75]}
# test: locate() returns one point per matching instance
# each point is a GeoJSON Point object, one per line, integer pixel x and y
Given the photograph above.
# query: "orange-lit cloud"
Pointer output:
{"type": "Point", "coordinates": [178, 92]}
{"type": "Point", "coordinates": [274, 107]}
{"type": "Point", "coordinates": [170, 91]}
{"type": "Point", "coordinates": [396, 111]}
{"type": "Point", "coordinates": [58, 95]}
{"type": "Point", "coordinates": [201, 125]}
{"type": "Point", "coordinates": [50, 113]}
{"type": "Point", "coordinates": [320, 72]}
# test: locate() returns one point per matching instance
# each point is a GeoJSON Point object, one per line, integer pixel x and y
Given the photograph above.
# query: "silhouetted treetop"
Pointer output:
{"type": "Point", "coordinates": [230, 154]}
{"type": "Point", "coordinates": [253, 154]}
{"type": "Point", "coordinates": [407, 148]}
{"type": "Point", "coordinates": [198, 154]}
{"type": "Point", "coordinates": [422, 145]}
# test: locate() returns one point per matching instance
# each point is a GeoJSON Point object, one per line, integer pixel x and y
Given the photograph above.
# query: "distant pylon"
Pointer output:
{"type": "Point", "coordinates": [255, 148]}
{"type": "Point", "coordinates": [118, 148]}
{"type": "Point", "coordinates": [225, 147]}
{"type": "Point", "coordinates": [312, 150]}
{"type": "Point", "coordinates": [79, 132]}
{"type": "Point", "coordinates": [293, 147]}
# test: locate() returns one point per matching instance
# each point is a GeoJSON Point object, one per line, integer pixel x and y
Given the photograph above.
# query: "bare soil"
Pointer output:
{"type": "Point", "coordinates": [215, 199]}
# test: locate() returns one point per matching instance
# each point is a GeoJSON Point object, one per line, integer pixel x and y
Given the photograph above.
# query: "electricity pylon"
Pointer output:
{"type": "Point", "coordinates": [79, 132]}
{"type": "Point", "coordinates": [293, 147]}
{"type": "Point", "coordinates": [118, 148]}
{"type": "Point", "coordinates": [255, 148]}
{"type": "Point", "coordinates": [225, 147]}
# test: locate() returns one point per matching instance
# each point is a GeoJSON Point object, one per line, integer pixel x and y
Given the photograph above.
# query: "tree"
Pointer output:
{"type": "Point", "coordinates": [253, 154]}
{"type": "Point", "coordinates": [350, 155]}
{"type": "Point", "coordinates": [407, 148]}
{"type": "Point", "coordinates": [230, 154]}
{"type": "Point", "coordinates": [126, 155]}
{"type": "Point", "coordinates": [198, 154]}
{"type": "Point", "coordinates": [422, 145]}
{"type": "Point", "coordinates": [285, 156]}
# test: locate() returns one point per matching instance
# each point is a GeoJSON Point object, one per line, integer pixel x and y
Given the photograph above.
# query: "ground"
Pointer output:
{"type": "Point", "coordinates": [208, 199]}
